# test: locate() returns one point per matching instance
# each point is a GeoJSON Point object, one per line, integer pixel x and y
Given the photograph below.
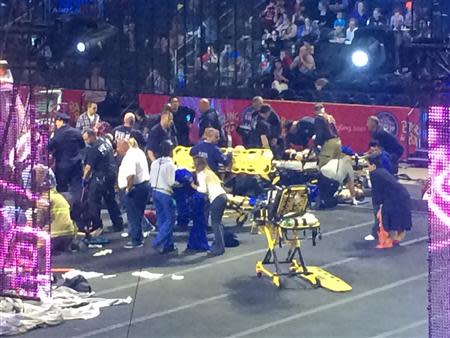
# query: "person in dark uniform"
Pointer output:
{"type": "Point", "coordinates": [394, 201]}
{"type": "Point", "coordinates": [100, 171]}
{"type": "Point", "coordinates": [210, 118]}
{"type": "Point", "coordinates": [183, 117]}
{"type": "Point", "coordinates": [208, 149]}
{"type": "Point", "coordinates": [299, 133]}
{"type": "Point", "coordinates": [262, 133]}
{"type": "Point", "coordinates": [127, 130]}
{"type": "Point", "coordinates": [163, 131]}
{"type": "Point", "coordinates": [142, 122]}
{"type": "Point", "coordinates": [388, 142]}
{"type": "Point", "coordinates": [66, 146]}
{"type": "Point", "coordinates": [247, 120]}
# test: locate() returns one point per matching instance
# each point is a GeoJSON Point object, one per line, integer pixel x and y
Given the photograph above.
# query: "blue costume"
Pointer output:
{"type": "Point", "coordinates": [191, 205]}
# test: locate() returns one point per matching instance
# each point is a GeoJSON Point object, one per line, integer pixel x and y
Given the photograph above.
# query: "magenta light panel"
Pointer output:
{"type": "Point", "coordinates": [439, 222]}
{"type": "Point", "coordinates": [24, 208]}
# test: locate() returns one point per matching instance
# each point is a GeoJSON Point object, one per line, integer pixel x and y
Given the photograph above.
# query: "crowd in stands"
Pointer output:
{"type": "Point", "coordinates": [190, 44]}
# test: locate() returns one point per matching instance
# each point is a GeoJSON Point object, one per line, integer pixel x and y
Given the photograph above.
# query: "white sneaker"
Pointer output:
{"type": "Point", "coordinates": [354, 201]}
{"type": "Point", "coordinates": [124, 234]}
{"type": "Point", "coordinates": [369, 238]}
{"type": "Point", "coordinates": [145, 233]}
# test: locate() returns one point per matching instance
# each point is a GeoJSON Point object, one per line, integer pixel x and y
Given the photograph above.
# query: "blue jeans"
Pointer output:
{"type": "Point", "coordinates": [135, 202]}
{"type": "Point", "coordinates": [165, 219]}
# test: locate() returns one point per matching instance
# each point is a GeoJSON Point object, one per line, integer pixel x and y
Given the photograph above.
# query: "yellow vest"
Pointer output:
{"type": "Point", "coordinates": [61, 222]}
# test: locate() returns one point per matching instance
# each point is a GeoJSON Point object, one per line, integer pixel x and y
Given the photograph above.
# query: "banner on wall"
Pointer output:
{"type": "Point", "coordinates": [351, 120]}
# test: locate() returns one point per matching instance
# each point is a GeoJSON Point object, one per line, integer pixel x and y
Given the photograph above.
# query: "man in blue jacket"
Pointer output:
{"type": "Point", "coordinates": [208, 149]}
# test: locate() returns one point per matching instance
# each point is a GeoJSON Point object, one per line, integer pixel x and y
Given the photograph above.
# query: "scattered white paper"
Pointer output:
{"type": "Point", "coordinates": [86, 274]}
{"type": "Point", "coordinates": [103, 253]}
{"type": "Point", "coordinates": [177, 277]}
{"type": "Point", "coordinates": [95, 246]}
{"type": "Point", "coordinates": [109, 276]}
{"type": "Point", "coordinates": [147, 274]}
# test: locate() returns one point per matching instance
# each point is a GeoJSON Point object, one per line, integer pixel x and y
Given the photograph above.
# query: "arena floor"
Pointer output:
{"type": "Point", "coordinates": [222, 297]}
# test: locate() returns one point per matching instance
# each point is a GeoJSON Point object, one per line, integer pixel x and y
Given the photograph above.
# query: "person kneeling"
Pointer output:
{"type": "Point", "coordinates": [210, 184]}
{"type": "Point", "coordinates": [395, 204]}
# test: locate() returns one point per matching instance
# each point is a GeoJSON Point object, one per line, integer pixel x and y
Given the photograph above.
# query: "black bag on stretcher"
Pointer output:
{"type": "Point", "coordinates": [327, 192]}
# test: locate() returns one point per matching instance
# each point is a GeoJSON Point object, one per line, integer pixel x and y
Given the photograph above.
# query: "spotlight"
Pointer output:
{"type": "Point", "coordinates": [360, 58]}
{"type": "Point", "coordinates": [81, 47]}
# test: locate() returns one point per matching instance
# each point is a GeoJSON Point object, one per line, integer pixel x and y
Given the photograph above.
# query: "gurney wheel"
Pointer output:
{"type": "Point", "coordinates": [241, 219]}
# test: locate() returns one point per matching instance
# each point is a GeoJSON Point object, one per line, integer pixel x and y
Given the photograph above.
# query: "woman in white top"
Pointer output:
{"type": "Point", "coordinates": [210, 184]}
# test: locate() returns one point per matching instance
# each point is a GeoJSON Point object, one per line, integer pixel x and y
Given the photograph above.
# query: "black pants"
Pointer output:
{"type": "Point", "coordinates": [69, 180]}
{"type": "Point", "coordinates": [394, 162]}
{"type": "Point", "coordinates": [102, 187]}
{"type": "Point", "coordinates": [216, 210]}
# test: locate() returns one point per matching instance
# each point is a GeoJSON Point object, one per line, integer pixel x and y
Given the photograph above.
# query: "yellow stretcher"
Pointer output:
{"type": "Point", "coordinates": [284, 221]}
{"type": "Point", "coordinates": [245, 161]}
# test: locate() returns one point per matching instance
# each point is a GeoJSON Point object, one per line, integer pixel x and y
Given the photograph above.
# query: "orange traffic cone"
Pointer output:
{"type": "Point", "coordinates": [384, 240]}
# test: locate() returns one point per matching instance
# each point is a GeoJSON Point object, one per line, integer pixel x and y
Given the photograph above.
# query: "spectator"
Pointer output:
{"type": "Point", "coordinates": [285, 59]}
{"type": "Point", "coordinates": [408, 14]}
{"type": "Point", "coordinates": [128, 31]}
{"type": "Point", "coordinates": [299, 14]}
{"type": "Point", "coordinates": [340, 21]}
{"type": "Point", "coordinates": [339, 28]}
{"type": "Point", "coordinates": [95, 81]}
{"type": "Point", "coordinates": [290, 32]}
{"type": "Point", "coordinates": [304, 62]}
{"type": "Point", "coordinates": [280, 82]}
{"type": "Point", "coordinates": [209, 59]}
{"type": "Point", "coordinates": [360, 13]}
{"type": "Point", "coordinates": [339, 5]}
{"type": "Point", "coordinates": [269, 15]}
{"type": "Point", "coordinates": [155, 82]}
{"type": "Point", "coordinates": [397, 20]}
{"type": "Point", "coordinates": [274, 44]}
{"type": "Point", "coordinates": [352, 28]}
{"type": "Point", "coordinates": [90, 119]}
{"type": "Point", "coordinates": [305, 29]}
{"type": "Point", "coordinates": [282, 23]}
{"type": "Point", "coordinates": [325, 15]}
{"type": "Point", "coordinates": [377, 19]}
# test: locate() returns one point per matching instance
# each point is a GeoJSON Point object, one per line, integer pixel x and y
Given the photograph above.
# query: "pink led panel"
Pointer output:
{"type": "Point", "coordinates": [439, 222]}
{"type": "Point", "coordinates": [24, 232]}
